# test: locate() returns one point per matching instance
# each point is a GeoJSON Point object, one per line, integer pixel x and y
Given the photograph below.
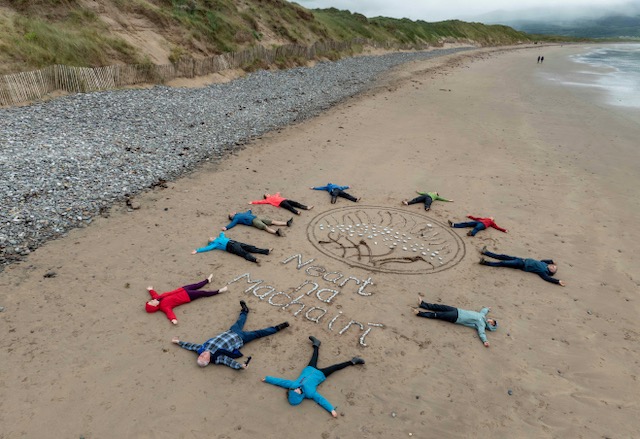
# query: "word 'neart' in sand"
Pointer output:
{"type": "Point", "coordinates": [285, 300]}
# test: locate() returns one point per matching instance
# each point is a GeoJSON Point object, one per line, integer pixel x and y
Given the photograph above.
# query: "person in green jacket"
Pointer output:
{"type": "Point", "coordinates": [472, 319]}
{"type": "Point", "coordinates": [427, 198]}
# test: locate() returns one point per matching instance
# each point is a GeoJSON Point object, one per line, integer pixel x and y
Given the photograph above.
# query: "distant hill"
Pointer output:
{"type": "Point", "coordinates": [89, 33]}
{"type": "Point", "coordinates": [611, 21]}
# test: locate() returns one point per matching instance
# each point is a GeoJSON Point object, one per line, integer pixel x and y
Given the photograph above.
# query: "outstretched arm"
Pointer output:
{"type": "Point", "coordinates": [553, 280]}
{"type": "Point", "coordinates": [482, 335]}
{"type": "Point", "coordinates": [228, 361]}
{"type": "Point", "coordinates": [322, 401]}
{"type": "Point", "coordinates": [263, 201]}
{"type": "Point", "coordinates": [232, 224]}
{"type": "Point", "coordinates": [280, 382]}
{"type": "Point", "coordinates": [495, 226]}
{"type": "Point", "coordinates": [153, 293]}
{"type": "Point", "coordinates": [186, 345]}
{"type": "Point", "coordinates": [320, 188]}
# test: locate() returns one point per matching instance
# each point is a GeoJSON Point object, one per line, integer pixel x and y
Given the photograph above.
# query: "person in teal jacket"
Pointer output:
{"type": "Point", "coordinates": [427, 198]}
{"type": "Point", "coordinates": [310, 378]}
{"type": "Point", "coordinates": [237, 248]}
{"type": "Point", "coordinates": [336, 191]}
{"type": "Point", "coordinates": [472, 319]}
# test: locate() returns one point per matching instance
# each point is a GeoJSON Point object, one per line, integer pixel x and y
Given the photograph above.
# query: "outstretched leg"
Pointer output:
{"type": "Point", "coordinates": [499, 256]}
{"type": "Point", "coordinates": [196, 286]}
{"type": "Point", "coordinates": [242, 318]}
{"type": "Point", "coordinates": [349, 197]}
{"type": "Point", "coordinates": [237, 249]}
{"type": "Point", "coordinates": [336, 367]}
{"type": "Point", "coordinates": [253, 249]}
{"type": "Point", "coordinates": [248, 336]}
{"type": "Point", "coordinates": [316, 349]}
{"type": "Point", "coordinates": [286, 204]}
{"type": "Point", "coordinates": [193, 295]}
{"type": "Point", "coordinates": [416, 200]}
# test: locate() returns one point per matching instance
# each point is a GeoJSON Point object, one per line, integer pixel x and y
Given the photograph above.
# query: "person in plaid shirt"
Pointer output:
{"type": "Point", "coordinates": [224, 347]}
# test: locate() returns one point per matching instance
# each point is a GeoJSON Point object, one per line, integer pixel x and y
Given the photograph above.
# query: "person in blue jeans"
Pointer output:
{"type": "Point", "coordinates": [310, 378]}
{"type": "Point", "coordinates": [224, 347]}
{"type": "Point", "coordinates": [471, 319]}
{"type": "Point", "coordinates": [336, 191]}
{"type": "Point", "coordinates": [545, 268]}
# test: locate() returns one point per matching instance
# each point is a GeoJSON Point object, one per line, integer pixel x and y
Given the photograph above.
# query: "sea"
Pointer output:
{"type": "Point", "coordinates": [614, 69]}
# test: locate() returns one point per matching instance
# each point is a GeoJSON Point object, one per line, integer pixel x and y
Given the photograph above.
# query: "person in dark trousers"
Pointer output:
{"type": "Point", "coordinates": [224, 347]}
{"type": "Point", "coordinates": [310, 378]}
{"type": "Point", "coordinates": [231, 246]}
{"type": "Point", "coordinates": [545, 268]}
{"type": "Point", "coordinates": [279, 201]}
{"type": "Point", "coordinates": [165, 302]}
{"type": "Point", "coordinates": [471, 319]}
{"type": "Point", "coordinates": [427, 198]}
{"type": "Point", "coordinates": [336, 191]}
{"type": "Point", "coordinates": [477, 224]}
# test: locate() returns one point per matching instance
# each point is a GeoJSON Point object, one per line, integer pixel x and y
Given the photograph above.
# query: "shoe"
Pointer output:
{"type": "Point", "coordinates": [244, 306]}
{"type": "Point", "coordinates": [469, 233]}
{"type": "Point", "coordinates": [210, 277]}
{"type": "Point", "coordinates": [290, 222]}
{"type": "Point", "coordinates": [358, 199]}
{"type": "Point", "coordinates": [357, 360]}
{"type": "Point", "coordinates": [405, 202]}
{"type": "Point", "coordinates": [279, 233]}
{"type": "Point", "coordinates": [427, 209]}
{"type": "Point", "coordinates": [281, 326]}
{"type": "Point", "coordinates": [333, 200]}
{"type": "Point", "coordinates": [482, 261]}
{"type": "Point", "coordinates": [484, 249]}
{"type": "Point", "coordinates": [315, 341]}
{"type": "Point", "coordinates": [450, 223]}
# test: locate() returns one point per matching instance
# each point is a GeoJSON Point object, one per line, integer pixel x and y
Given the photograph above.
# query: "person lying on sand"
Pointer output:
{"type": "Point", "coordinates": [477, 224]}
{"type": "Point", "coordinates": [262, 223]}
{"type": "Point", "coordinates": [336, 191]}
{"type": "Point", "coordinates": [231, 246]}
{"type": "Point", "coordinates": [545, 268]}
{"type": "Point", "coordinates": [278, 201]}
{"type": "Point", "coordinates": [427, 198]}
{"type": "Point", "coordinates": [311, 377]}
{"type": "Point", "coordinates": [165, 302]}
{"type": "Point", "coordinates": [472, 319]}
{"type": "Point", "coordinates": [224, 347]}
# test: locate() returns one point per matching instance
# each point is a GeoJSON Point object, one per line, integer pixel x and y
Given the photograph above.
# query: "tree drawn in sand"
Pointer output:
{"type": "Point", "coordinates": [386, 240]}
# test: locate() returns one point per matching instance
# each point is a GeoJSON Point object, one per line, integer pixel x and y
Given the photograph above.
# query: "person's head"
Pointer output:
{"type": "Point", "coordinates": [152, 305]}
{"type": "Point", "coordinates": [491, 218]}
{"type": "Point", "coordinates": [232, 215]}
{"type": "Point", "coordinates": [492, 324]}
{"type": "Point", "coordinates": [295, 396]}
{"type": "Point", "coordinates": [437, 194]}
{"type": "Point", "coordinates": [204, 359]}
{"type": "Point", "coordinates": [266, 195]}
{"type": "Point", "coordinates": [552, 268]}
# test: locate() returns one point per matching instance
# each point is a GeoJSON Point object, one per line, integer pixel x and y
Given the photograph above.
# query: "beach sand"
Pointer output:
{"type": "Point", "coordinates": [80, 357]}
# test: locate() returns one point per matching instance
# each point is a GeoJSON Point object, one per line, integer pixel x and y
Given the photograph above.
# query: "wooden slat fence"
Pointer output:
{"type": "Point", "coordinates": [29, 86]}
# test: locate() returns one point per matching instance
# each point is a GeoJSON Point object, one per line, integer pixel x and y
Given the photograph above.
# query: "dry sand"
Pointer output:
{"type": "Point", "coordinates": [81, 357]}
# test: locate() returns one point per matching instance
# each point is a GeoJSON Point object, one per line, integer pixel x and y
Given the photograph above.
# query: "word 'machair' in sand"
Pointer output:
{"type": "Point", "coordinates": [310, 378]}
{"type": "Point", "coordinates": [224, 347]}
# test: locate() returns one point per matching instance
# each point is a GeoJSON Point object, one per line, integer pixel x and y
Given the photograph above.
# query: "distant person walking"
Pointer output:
{"type": "Point", "coordinates": [538, 59]}
{"type": "Point", "coordinates": [544, 268]}
{"type": "Point", "coordinates": [471, 319]}
{"type": "Point", "coordinates": [336, 191]}
{"type": "Point", "coordinates": [477, 224]}
{"type": "Point", "coordinates": [541, 59]}
{"type": "Point", "coordinates": [427, 198]}
{"type": "Point", "coordinates": [279, 201]}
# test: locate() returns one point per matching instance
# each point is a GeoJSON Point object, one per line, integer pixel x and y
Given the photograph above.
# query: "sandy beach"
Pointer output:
{"type": "Point", "coordinates": [81, 357]}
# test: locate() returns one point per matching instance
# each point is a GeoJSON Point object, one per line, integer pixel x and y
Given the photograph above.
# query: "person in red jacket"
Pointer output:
{"type": "Point", "coordinates": [278, 201]}
{"type": "Point", "coordinates": [477, 224]}
{"type": "Point", "coordinates": [165, 302]}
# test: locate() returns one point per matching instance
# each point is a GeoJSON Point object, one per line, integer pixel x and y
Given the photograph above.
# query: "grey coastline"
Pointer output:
{"type": "Point", "coordinates": [65, 161]}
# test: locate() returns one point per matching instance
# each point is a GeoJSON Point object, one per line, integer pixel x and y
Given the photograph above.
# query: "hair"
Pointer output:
{"type": "Point", "coordinates": [231, 216]}
{"type": "Point", "coordinates": [495, 322]}
{"type": "Point", "coordinates": [264, 196]}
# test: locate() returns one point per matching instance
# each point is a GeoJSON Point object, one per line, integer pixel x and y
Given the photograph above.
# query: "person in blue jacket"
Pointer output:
{"type": "Point", "coordinates": [310, 378]}
{"type": "Point", "coordinates": [544, 268]}
{"type": "Point", "coordinates": [262, 223]}
{"type": "Point", "coordinates": [336, 191]}
{"type": "Point", "coordinates": [472, 319]}
{"type": "Point", "coordinates": [235, 247]}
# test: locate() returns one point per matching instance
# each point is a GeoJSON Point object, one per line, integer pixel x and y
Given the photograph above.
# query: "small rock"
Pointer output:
{"type": "Point", "coordinates": [510, 392]}
{"type": "Point", "coordinates": [135, 205]}
{"type": "Point", "coordinates": [1, 308]}
{"type": "Point", "coordinates": [50, 274]}
{"type": "Point", "coordinates": [589, 312]}
{"type": "Point", "coordinates": [393, 414]}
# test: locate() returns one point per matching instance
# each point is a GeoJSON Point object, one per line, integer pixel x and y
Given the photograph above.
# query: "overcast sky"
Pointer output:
{"type": "Point", "coordinates": [438, 10]}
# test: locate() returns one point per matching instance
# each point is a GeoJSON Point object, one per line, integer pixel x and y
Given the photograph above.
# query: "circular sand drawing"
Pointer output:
{"type": "Point", "coordinates": [386, 239]}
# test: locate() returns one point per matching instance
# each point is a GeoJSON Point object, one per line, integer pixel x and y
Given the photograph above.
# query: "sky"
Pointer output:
{"type": "Point", "coordinates": [438, 10]}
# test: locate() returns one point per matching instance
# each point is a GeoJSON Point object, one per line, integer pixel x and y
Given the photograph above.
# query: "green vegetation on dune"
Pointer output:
{"type": "Point", "coordinates": [37, 33]}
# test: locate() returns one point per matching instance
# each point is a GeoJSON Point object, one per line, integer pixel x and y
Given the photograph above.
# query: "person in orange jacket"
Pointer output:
{"type": "Point", "coordinates": [279, 201]}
